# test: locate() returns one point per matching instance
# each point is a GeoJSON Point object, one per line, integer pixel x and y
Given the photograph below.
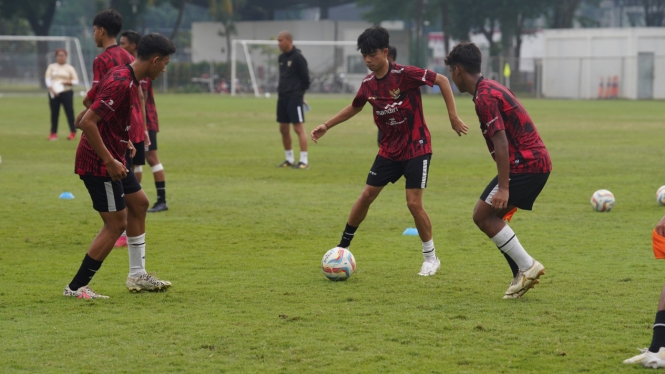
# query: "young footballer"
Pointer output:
{"type": "Point", "coordinates": [522, 161]}
{"type": "Point", "coordinates": [393, 91]}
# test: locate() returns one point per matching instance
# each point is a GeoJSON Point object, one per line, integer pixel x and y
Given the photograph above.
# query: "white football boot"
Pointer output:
{"type": "Point", "coordinates": [84, 292]}
{"type": "Point", "coordinates": [430, 268]}
{"type": "Point", "coordinates": [525, 280]}
{"type": "Point", "coordinates": [146, 282]}
{"type": "Point", "coordinates": [648, 359]}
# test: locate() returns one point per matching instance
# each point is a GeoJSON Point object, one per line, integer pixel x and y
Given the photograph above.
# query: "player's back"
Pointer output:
{"type": "Point", "coordinates": [111, 57]}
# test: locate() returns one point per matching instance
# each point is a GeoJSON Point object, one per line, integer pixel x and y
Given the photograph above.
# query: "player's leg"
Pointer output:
{"type": "Point", "coordinates": [416, 172]}
{"type": "Point", "coordinates": [137, 206]}
{"type": "Point", "coordinates": [54, 104]}
{"type": "Point", "coordinates": [68, 104]}
{"type": "Point", "coordinates": [285, 130]}
{"type": "Point", "coordinates": [139, 160]}
{"type": "Point", "coordinates": [303, 163]}
{"type": "Point", "coordinates": [108, 201]}
{"type": "Point", "coordinates": [158, 175]}
{"type": "Point", "coordinates": [654, 356]}
{"type": "Point", "coordinates": [297, 117]}
{"type": "Point", "coordinates": [358, 213]}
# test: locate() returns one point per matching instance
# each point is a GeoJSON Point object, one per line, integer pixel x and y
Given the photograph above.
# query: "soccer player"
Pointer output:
{"type": "Point", "coordinates": [523, 163]}
{"type": "Point", "coordinates": [100, 164]}
{"type": "Point", "coordinates": [129, 41]}
{"type": "Point", "coordinates": [392, 55]}
{"type": "Point", "coordinates": [393, 91]}
{"type": "Point", "coordinates": [293, 82]}
{"type": "Point", "coordinates": [151, 155]}
{"type": "Point", "coordinates": [654, 356]}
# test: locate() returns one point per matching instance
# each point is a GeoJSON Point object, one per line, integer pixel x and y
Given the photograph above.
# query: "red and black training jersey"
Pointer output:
{"type": "Point", "coordinates": [150, 109]}
{"type": "Point", "coordinates": [116, 93]}
{"type": "Point", "coordinates": [497, 110]}
{"type": "Point", "coordinates": [398, 110]}
{"type": "Point", "coordinates": [111, 57]}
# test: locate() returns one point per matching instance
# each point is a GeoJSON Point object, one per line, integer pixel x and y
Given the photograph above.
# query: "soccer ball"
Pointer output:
{"type": "Point", "coordinates": [338, 264]}
{"type": "Point", "coordinates": [660, 195]}
{"type": "Point", "coordinates": [602, 201]}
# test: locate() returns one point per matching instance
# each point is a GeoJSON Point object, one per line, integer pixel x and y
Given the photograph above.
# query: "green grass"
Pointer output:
{"type": "Point", "coordinates": [243, 240]}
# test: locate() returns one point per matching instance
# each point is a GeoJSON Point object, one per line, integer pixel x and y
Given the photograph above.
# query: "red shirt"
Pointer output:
{"type": "Point", "coordinates": [498, 109]}
{"type": "Point", "coordinates": [398, 110]}
{"type": "Point", "coordinates": [111, 57]}
{"type": "Point", "coordinates": [150, 109]}
{"type": "Point", "coordinates": [116, 94]}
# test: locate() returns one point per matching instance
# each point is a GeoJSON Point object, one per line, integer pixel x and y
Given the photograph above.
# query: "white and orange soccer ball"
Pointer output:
{"type": "Point", "coordinates": [338, 264]}
{"type": "Point", "coordinates": [660, 195]}
{"type": "Point", "coordinates": [602, 201]}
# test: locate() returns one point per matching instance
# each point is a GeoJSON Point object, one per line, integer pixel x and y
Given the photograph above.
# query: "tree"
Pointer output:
{"type": "Point", "coordinates": [654, 12]}
{"type": "Point", "coordinates": [39, 14]}
{"type": "Point", "coordinates": [562, 13]}
{"type": "Point", "coordinates": [222, 11]}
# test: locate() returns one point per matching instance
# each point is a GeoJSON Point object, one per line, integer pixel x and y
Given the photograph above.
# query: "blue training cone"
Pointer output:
{"type": "Point", "coordinates": [66, 195]}
{"type": "Point", "coordinates": [410, 231]}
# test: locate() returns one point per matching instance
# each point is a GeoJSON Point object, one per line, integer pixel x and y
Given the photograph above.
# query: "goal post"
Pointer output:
{"type": "Point", "coordinates": [334, 66]}
{"type": "Point", "coordinates": [21, 60]}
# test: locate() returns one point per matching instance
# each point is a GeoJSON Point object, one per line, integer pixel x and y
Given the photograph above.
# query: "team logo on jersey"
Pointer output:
{"type": "Point", "coordinates": [108, 105]}
{"type": "Point", "coordinates": [288, 63]}
{"type": "Point", "coordinates": [394, 93]}
{"type": "Point", "coordinates": [397, 71]}
{"type": "Point", "coordinates": [371, 98]}
{"type": "Point", "coordinates": [394, 122]}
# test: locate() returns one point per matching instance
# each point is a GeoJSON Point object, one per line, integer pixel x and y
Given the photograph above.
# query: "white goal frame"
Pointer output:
{"type": "Point", "coordinates": [66, 39]}
{"type": "Point", "coordinates": [244, 43]}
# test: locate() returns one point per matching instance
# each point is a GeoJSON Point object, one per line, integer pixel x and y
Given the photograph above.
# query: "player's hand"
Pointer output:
{"type": "Point", "coordinates": [459, 126]}
{"type": "Point", "coordinates": [318, 132]}
{"type": "Point", "coordinates": [116, 170]}
{"type": "Point", "coordinates": [147, 139]}
{"type": "Point", "coordinates": [500, 199]}
{"type": "Point", "coordinates": [660, 227]}
{"type": "Point", "coordinates": [132, 149]}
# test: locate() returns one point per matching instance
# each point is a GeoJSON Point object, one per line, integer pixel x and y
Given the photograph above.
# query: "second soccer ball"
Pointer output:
{"type": "Point", "coordinates": [660, 195]}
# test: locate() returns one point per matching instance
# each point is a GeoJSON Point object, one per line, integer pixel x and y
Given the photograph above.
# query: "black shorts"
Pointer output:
{"type": "Point", "coordinates": [139, 157]}
{"type": "Point", "coordinates": [108, 195]}
{"type": "Point", "coordinates": [414, 170]}
{"type": "Point", "coordinates": [289, 110]}
{"type": "Point", "coordinates": [153, 140]}
{"type": "Point", "coordinates": [523, 189]}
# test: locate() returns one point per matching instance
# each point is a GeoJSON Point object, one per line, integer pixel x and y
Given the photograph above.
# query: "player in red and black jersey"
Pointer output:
{"type": "Point", "coordinates": [522, 161]}
{"type": "Point", "coordinates": [100, 163]}
{"type": "Point", "coordinates": [151, 155]}
{"type": "Point", "coordinates": [393, 91]}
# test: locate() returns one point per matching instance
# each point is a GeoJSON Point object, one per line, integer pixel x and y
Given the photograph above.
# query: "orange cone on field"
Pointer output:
{"type": "Point", "coordinates": [600, 87]}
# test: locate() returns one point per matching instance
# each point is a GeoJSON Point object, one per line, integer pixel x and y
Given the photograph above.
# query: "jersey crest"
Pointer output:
{"type": "Point", "coordinates": [394, 93]}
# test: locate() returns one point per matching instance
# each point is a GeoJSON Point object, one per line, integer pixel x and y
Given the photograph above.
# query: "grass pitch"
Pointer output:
{"type": "Point", "coordinates": [243, 240]}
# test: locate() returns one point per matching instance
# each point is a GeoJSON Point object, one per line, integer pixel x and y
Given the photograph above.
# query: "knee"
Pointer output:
{"type": "Point", "coordinates": [480, 221]}
{"type": "Point", "coordinates": [284, 131]}
{"type": "Point", "coordinates": [139, 207]}
{"type": "Point", "coordinates": [117, 226]}
{"type": "Point", "coordinates": [367, 197]}
{"type": "Point", "coordinates": [414, 206]}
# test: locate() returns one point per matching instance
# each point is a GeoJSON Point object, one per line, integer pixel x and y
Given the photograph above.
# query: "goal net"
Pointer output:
{"type": "Point", "coordinates": [334, 66]}
{"type": "Point", "coordinates": [24, 59]}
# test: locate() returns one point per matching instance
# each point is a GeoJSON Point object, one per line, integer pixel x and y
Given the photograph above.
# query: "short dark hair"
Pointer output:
{"type": "Point", "coordinates": [110, 20]}
{"type": "Point", "coordinates": [372, 39]}
{"type": "Point", "coordinates": [154, 44]}
{"type": "Point", "coordinates": [392, 51]}
{"type": "Point", "coordinates": [133, 37]}
{"type": "Point", "coordinates": [466, 55]}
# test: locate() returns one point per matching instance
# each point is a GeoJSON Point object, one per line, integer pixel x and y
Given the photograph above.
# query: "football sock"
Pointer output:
{"type": "Point", "coordinates": [136, 248]}
{"type": "Point", "coordinates": [508, 244]}
{"type": "Point", "coordinates": [289, 156]}
{"type": "Point", "coordinates": [87, 270]}
{"type": "Point", "coordinates": [347, 236]}
{"type": "Point", "coordinates": [428, 251]}
{"type": "Point", "coordinates": [161, 191]}
{"type": "Point", "coordinates": [658, 339]}
{"type": "Point", "coordinates": [511, 263]}
{"type": "Point", "coordinates": [303, 157]}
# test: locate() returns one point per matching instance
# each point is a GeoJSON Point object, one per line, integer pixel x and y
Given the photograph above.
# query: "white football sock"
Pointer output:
{"type": "Point", "coordinates": [507, 242]}
{"type": "Point", "coordinates": [303, 157]}
{"type": "Point", "coordinates": [429, 255]}
{"type": "Point", "coordinates": [289, 156]}
{"type": "Point", "coordinates": [136, 248]}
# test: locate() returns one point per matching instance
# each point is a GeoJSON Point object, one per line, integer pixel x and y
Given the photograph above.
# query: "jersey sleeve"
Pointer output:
{"type": "Point", "coordinates": [416, 77]}
{"type": "Point", "coordinates": [489, 115]}
{"type": "Point", "coordinates": [112, 98]}
{"type": "Point", "coordinates": [303, 73]}
{"type": "Point", "coordinates": [361, 97]}
{"type": "Point", "coordinates": [96, 77]}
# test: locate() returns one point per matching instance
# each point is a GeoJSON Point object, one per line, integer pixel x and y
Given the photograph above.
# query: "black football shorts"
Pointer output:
{"type": "Point", "coordinates": [289, 110]}
{"type": "Point", "coordinates": [153, 140]}
{"type": "Point", "coordinates": [523, 189]}
{"type": "Point", "coordinates": [139, 157]}
{"type": "Point", "coordinates": [108, 195]}
{"type": "Point", "coordinates": [415, 171]}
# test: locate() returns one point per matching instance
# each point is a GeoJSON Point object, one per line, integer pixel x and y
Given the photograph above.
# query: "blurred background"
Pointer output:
{"type": "Point", "coordinates": [576, 49]}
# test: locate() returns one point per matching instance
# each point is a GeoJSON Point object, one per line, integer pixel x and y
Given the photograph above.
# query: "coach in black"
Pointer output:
{"type": "Point", "coordinates": [293, 82]}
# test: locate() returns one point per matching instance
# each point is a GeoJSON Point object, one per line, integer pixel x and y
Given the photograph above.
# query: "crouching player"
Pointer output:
{"type": "Point", "coordinates": [522, 162]}
{"type": "Point", "coordinates": [100, 163]}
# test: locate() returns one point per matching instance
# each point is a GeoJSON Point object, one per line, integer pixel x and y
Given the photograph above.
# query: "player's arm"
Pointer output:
{"type": "Point", "coordinates": [502, 157]}
{"type": "Point", "coordinates": [77, 122]}
{"type": "Point", "coordinates": [447, 93]}
{"type": "Point", "coordinates": [340, 117]}
{"type": "Point", "coordinates": [143, 117]}
{"type": "Point", "coordinates": [88, 124]}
